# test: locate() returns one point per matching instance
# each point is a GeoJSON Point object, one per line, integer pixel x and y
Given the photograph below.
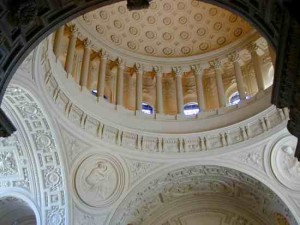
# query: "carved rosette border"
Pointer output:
{"type": "Point", "coordinates": [49, 165]}
{"type": "Point", "coordinates": [151, 142]}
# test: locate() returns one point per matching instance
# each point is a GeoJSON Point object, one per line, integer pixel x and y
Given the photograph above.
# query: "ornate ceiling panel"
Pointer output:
{"type": "Point", "coordinates": [167, 29]}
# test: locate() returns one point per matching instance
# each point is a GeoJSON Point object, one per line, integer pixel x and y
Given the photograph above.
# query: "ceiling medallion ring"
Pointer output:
{"type": "Point", "coordinates": [99, 180]}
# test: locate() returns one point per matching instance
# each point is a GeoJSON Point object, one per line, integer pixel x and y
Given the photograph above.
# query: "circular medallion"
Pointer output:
{"type": "Point", "coordinates": [221, 40]}
{"type": "Point", "coordinates": [284, 164]}
{"type": "Point", "coordinates": [186, 50]}
{"type": "Point", "coordinates": [201, 32]}
{"type": "Point", "coordinates": [183, 20]}
{"type": "Point", "coordinates": [99, 180]}
{"type": "Point", "coordinates": [203, 46]}
{"type": "Point", "coordinates": [167, 20]}
{"type": "Point", "coordinates": [118, 24]}
{"type": "Point", "coordinates": [43, 141]}
{"type": "Point", "coordinates": [167, 6]}
{"type": "Point", "coordinates": [149, 50]}
{"type": "Point", "coordinates": [153, 5]}
{"type": "Point", "coordinates": [195, 3]}
{"type": "Point", "coordinates": [180, 5]}
{"type": "Point", "coordinates": [132, 45]}
{"type": "Point", "coordinates": [167, 36]}
{"type": "Point", "coordinates": [184, 35]}
{"type": "Point", "coordinates": [213, 11]}
{"type": "Point", "coordinates": [30, 109]}
{"type": "Point", "coordinates": [151, 19]}
{"type": "Point", "coordinates": [100, 29]}
{"type": "Point", "coordinates": [150, 34]}
{"type": "Point", "coordinates": [218, 26]}
{"type": "Point", "coordinates": [121, 9]}
{"type": "Point", "coordinates": [237, 32]}
{"type": "Point", "coordinates": [114, 38]}
{"type": "Point", "coordinates": [167, 51]}
{"type": "Point", "coordinates": [198, 17]}
{"type": "Point", "coordinates": [103, 15]}
{"type": "Point", "coordinates": [133, 30]}
{"type": "Point", "coordinates": [232, 18]}
{"type": "Point", "coordinates": [136, 16]}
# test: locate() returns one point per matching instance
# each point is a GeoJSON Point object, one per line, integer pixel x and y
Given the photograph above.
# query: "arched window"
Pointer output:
{"type": "Point", "coordinates": [234, 98]}
{"type": "Point", "coordinates": [148, 109]}
{"type": "Point", "coordinates": [94, 92]}
{"type": "Point", "coordinates": [191, 108]}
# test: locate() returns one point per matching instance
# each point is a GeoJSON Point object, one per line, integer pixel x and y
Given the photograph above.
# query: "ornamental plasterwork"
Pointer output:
{"type": "Point", "coordinates": [200, 181]}
{"type": "Point", "coordinates": [285, 166]}
{"type": "Point", "coordinates": [166, 29]}
{"type": "Point", "coordinates": [151, 142]}
{"type": "Point", "coordinates": [138, 169]}
{"type": "Point", "coordinates": [73, 146]}
{"type": "Point", "coordinates": [99, 180]}
{"type": "Point", "coordinates": [49, 166]}
{"type": "Point", "coordinates": [14, 164]}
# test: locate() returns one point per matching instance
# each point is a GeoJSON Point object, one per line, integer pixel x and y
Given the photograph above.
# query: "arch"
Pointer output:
{"type": "Point", "coordinates": [179, 180]}
{"type": "Point", "coordinates": [48, 159]}
{"type": "Point", "coordinates": [27, 203]}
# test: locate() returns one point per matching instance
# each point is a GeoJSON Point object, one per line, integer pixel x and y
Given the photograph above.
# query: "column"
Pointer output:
{"type": "Point", "coordinates": [139, 88]}
{"type": "Point", "coordinates": [179, 93]}
{"type": "Point", "coordinates": [101, 74]}
{"type": "Point", "coordinates": [257, 66]}
{"type": "Point", "coordinates": [199, 72]}
{"type": "Point", "coordinates": [159, 93]}
{"type": "Point", "coordinates": [120, 82]}
{"type": "Point", "coordinates": [57, 46]}
{"type": "Point", "coordinates": [234, 58]}
{"type": "Point", "coordinates": [85, 63]}
{"type": "Point", "coordinates": [90, 78]}
{"type": "Point", "coordinates": [216, 64]}
{"type": "Point", "coordinates": [71, 50]}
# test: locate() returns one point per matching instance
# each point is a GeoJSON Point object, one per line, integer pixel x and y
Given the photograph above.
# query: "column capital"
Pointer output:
{"type": "Point", "coordinates": [103, 54]}
{"type": "Point", "coordinates": [87, 43]}
{"type": "Point", "coordinates": [216, 64]}
{"type": "Point", "coordinates": [139, 68]}
{"type": "Point", "coordinates": [252, 47]}
{"type": "Point", "coordinates": [177, 70]}
{"type": "Point", "coordinates": [74, 29]}
{"type": "Point", "coordinates": [233, 56]}
{"type": "Point", "coordinates": [197, 69]}
{"type": "Point", "coordinates": [121, 63]}
{"type": "Point", "coordinates": [158, 71]}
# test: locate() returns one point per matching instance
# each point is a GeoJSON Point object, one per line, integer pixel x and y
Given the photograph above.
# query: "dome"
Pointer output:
{"type": "Point", "coordinates": [159, 116]}
{"type": "Point", "coordinates": [167, 29]}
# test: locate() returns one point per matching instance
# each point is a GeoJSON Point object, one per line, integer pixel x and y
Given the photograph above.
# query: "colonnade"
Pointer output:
{"type": "Point", "coordinates": [68, 36]}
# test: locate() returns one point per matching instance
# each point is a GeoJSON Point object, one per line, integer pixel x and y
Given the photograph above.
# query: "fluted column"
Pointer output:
{"type": "Point", "coordinates": [159, 93]}
{"type": "Point", "coordinates": [257, 66]}
{"type": "Point", "coordinates": [216, 64]}
{"type": "Point", "coordinates": [234, 58]}
{"type": "Point", "coordinates": [57, 46]}
{"type": "Point", "coordinates": [85, 63]}
{"type": "Point", "coordinates": [120, 82]}
{"type": "Point", "coordinates": [139, 87]}
{"type": "Point", "coordinates": [101, 74]}
{"type": "Point", "coordinates": [71, 50]}
{"type": "Point", "coordinates": [199, 72]}
{"type": "Point", "coordinates": [179, 92]}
